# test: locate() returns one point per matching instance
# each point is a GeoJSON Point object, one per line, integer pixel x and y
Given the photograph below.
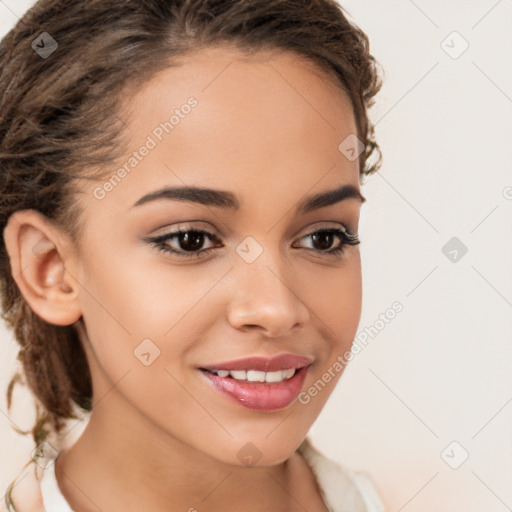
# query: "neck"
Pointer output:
{"type": "Point", "coordinates": [123, 461]}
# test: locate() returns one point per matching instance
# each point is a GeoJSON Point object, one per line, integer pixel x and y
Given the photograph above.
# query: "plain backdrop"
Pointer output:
{"type": "Point", "coordinates": [426, 406]}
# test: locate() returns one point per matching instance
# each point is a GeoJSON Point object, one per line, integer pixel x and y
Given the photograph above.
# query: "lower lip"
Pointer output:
{"type": "Point", "coordinates": [260, 396]}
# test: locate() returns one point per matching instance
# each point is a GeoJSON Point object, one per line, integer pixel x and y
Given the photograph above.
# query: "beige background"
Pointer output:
{"type": "Point", "coordinates": [440, 371]}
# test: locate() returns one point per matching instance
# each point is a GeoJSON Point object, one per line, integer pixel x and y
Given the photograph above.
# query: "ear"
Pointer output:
{"type": "Point", "coordinates": [38, 254]}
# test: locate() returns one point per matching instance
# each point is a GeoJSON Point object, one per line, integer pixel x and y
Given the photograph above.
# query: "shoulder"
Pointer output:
{"type": "Point", "coordinates": [343, 489]}
{"type": "Point", "coordinates": [23, 494]}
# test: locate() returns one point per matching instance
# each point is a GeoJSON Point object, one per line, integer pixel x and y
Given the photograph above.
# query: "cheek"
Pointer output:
{"type": "Point", "coordinates": [348, 303]}
{"type": "Point", "coordinates": [335, 297]}
{"type": "Point", "coordinates": [336, 302]}
{"type": "Point", "coordinates": [139, 332]}
{"type": "Point", "coordinates": [138, 298]}
{"type": "Point", "coordinates": [147, 321]}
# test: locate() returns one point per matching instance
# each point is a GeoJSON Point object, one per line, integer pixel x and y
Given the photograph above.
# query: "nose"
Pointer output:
{"type": "Point", "coordinates": [266, 298]}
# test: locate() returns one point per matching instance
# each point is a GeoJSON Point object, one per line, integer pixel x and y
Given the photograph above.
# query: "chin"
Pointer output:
{"type": "Point", "coordinates": [260, 451]}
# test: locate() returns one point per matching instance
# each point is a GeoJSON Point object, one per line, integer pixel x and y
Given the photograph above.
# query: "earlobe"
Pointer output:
{"type": "Point", "coordinates": [38, 257]}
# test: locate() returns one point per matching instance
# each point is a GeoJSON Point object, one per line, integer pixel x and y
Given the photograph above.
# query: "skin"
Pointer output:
{"type": "Point", "coordinates": [266, 129]}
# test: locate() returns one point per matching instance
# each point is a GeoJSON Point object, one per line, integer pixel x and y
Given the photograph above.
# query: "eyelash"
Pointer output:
{"type": "Point", "coordinates": [159, 242]}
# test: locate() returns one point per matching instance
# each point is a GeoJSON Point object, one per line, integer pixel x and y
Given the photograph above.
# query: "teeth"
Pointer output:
{"type": "Point", "coordinates": [274, 376]}
{"type": "Point", "coordinates": [288, 374]}
{"type": "Point", "coordinates": [239, 374]}
{"type": "Point", "coordinates": [257, 376]}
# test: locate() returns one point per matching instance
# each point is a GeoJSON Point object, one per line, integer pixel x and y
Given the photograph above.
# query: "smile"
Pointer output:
{"type": "Point", "coordinates": [259, 383]}
{"type": "Point", "coordinates": [257, 376]}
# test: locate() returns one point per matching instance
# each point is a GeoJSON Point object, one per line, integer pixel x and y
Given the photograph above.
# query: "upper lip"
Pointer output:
{"type": "Point", "coordinates": [263, 364]}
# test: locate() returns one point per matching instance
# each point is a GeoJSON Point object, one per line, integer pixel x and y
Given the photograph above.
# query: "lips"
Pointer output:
{"type": "Point", "coordinates": [259, 383]}
{"type": "Point", "coordinates": [263, 364]}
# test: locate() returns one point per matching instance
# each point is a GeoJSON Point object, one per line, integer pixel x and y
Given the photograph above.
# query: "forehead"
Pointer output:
{"type": "Point", "coordinates": [259, 122]}
{"type": "Point", "coordinates": [275, 83]}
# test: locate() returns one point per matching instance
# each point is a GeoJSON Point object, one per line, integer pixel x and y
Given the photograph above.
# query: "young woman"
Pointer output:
{"type": "Point", "coordinates": [180, 201]}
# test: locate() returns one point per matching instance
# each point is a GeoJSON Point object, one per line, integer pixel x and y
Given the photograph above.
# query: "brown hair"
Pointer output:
{"type": "Point", "coordinates": [59, 123]}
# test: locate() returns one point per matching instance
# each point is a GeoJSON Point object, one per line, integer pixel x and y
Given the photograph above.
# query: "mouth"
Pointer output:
{"type": "Point", "coordinates": [260, 383]}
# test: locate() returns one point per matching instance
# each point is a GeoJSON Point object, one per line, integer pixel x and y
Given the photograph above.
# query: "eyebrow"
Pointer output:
{"type": "Point", "coordinates": [228, 200]}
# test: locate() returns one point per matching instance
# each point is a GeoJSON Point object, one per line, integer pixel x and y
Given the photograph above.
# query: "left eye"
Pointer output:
{"type": "Point", "coordinates": [191, 241]}
{"type": "Point", "coordinates": [324, 239]}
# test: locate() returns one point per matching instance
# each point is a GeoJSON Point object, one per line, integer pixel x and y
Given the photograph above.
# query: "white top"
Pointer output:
{"type": "Point", "coordinates": [342, 489]}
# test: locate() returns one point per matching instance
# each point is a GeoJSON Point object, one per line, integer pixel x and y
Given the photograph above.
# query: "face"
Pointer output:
{"type": "Point", "coordinates": [175, 285]}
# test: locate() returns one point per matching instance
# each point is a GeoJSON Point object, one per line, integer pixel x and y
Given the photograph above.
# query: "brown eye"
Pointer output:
{"type": "Point", "coordinates": [323, 239]}
{"type": "Point", "coordinates": [189, 241]}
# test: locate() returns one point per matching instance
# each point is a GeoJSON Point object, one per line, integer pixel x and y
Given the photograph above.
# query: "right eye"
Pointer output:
{"type": "Point", "coordinates": [189, 241]}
